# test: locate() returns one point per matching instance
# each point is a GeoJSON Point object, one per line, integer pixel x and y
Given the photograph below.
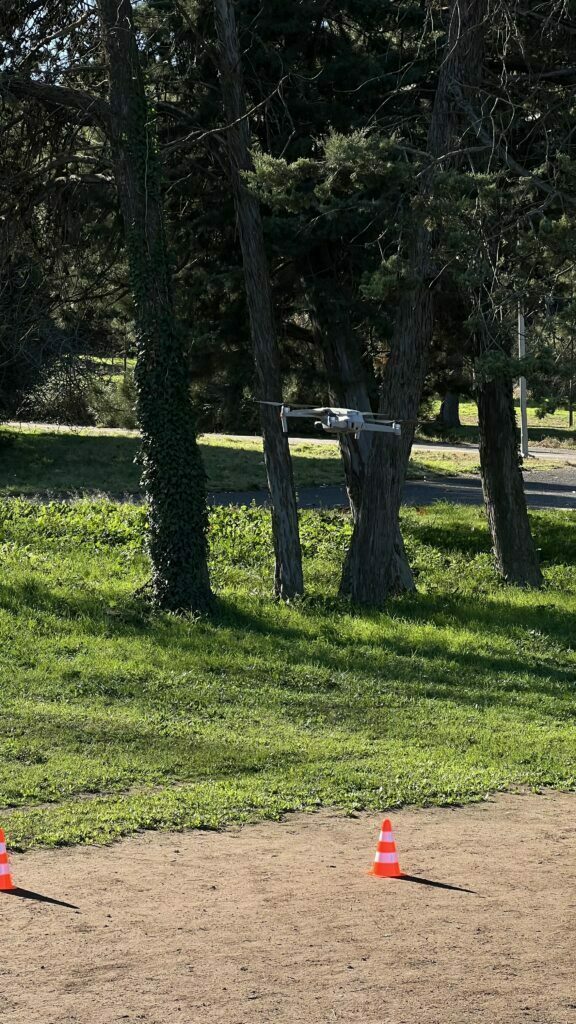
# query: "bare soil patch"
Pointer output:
{"type": "Point", "coordinates": [281, 923]}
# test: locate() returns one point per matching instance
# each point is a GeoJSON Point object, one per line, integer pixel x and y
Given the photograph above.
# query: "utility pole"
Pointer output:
{"type": "Point", "coordinates": [523, 409]}
{"type": "Point", "coordinates": [571, 385]}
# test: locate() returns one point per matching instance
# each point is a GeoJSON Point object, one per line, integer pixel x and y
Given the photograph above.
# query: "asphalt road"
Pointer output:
{"type": "Point", "coordinates": [552, 489]}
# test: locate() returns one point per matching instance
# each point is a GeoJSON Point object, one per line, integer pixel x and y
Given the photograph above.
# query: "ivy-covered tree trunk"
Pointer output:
{"type": "Point", "coordinates": [514, 550]}
{"type": "Point", "coordinates": [288, 575]}
{"type": "Point", "coordinates": [173, 474]}
{"type": "Point", "coordinates": [376, 566]}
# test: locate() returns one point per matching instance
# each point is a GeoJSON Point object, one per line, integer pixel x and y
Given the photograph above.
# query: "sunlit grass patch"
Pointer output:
{"type": "Point", "coordinates": [550, 431]}
{"type": "Point", "coordinates": [115, 718]}
{"type": "Point", "coordinates": [93, 461]}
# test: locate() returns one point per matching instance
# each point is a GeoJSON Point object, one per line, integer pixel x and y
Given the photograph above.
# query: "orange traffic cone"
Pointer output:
{"type": "Point", "coordinates": [386, 863]}
{"type": "Point", "coordinates": [6, 883]}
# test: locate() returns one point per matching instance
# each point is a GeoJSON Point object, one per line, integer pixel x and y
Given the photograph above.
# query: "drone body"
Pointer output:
{"type": "Point", "coordinates": [338, 421]}
{"type": "Point", "coordinates": [341, 421]}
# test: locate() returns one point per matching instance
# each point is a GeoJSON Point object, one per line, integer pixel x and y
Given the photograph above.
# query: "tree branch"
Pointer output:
{"type": "Point", "coordinates": [57, 97]}
{"type": "Point", "coordinates": [502, 151]}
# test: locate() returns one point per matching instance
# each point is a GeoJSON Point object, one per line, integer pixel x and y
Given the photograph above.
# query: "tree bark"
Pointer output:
{"type": "Point", "coordinates": [346, 382]}
{"type": "Point", "coordinates": [173, 474]}
{"type": "Point", "coordinates": [376, 566]}
{"type": "Point", "coordinates": [91, 110]}
{"type": "Point", "coordinates": [503, 487]}
{"type": "Point", "coordinates": [288, 573]}
{"type": "Point", "coordinates": [449, 415]}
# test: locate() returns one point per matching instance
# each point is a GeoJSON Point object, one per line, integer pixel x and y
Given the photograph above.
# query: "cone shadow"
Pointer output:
{"type": "Point", "coordinates": [435, 885]}
{"type": "Point", "coordinates": [25, 894]}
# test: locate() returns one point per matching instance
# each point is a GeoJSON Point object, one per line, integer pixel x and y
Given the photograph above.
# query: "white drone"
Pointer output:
{"type": "Point", "coordinates": [337, 421]}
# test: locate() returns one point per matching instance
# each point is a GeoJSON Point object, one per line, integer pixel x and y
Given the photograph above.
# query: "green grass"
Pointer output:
{"type": "Point", "coordinates": [52, 462]}
{"type": "Point", "coordinates": [92, 461]}
{"type": "Point", "coordinates": [552, 431]}
{"type": "Point", "coordinates": [114, 719]}
{"type": "Point", "coordinates": [100, 461]}
{"type": "Point", "coordinates": [238, 464]}
{"type": "Point", "coordinates": [554, 421]}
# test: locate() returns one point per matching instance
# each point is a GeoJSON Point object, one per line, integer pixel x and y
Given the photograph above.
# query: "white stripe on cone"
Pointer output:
{"type": "Point", "coordinates": [386, 858]}
{"type": "Point", "coordinates": [4, 869]}
{"type": "Point", "coordinates": [2, 847]}
{"type": "Point", "coordinates": [386, 837]}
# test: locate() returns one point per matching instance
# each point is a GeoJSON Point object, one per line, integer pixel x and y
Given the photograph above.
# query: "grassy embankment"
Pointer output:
{"type": "Point", "coordinates": [114, 719]}
{"type": "Point", "coordinates": [93, 461]}
{"type": "Point", "coordinates": [551, 432]}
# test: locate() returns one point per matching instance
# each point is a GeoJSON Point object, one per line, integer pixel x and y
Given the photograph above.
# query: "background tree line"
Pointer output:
{"type": "Point", "coordinates": [325, 201]}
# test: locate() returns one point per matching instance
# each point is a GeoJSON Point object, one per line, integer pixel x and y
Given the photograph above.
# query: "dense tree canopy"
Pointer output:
{"type": "Point", "coordinates": [340, 97]}
{"type": "Point", "coordinates": [385, 172]}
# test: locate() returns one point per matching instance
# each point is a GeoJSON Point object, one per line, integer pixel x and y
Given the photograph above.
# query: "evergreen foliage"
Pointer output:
{"type": "Point", "coordinates": [340, 104]}
{"type": "Point", "coordinates": [340, 100]}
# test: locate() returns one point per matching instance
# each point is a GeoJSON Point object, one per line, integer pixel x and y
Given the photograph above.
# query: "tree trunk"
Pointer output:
{"type": "Point", "coordinates": [173, 474]}
{"type": "Point", "coordinates": [571, 385]}
{"type": "Point", "coordinates": [503, 487]}
{"type": "Point", "coordinates": [346, 381]}
{"type": "Point", "coordinates": [376, 567]}
{"type": "Point", "coordinates": [288, 574]}
{"type": "Point", "coordinates": [449, 415]}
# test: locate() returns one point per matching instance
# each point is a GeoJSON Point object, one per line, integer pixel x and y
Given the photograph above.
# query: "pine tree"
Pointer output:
{"type": "Point", "coordinates": [288, 574]}
{"type": "Point", "coordinates": [377, 566]}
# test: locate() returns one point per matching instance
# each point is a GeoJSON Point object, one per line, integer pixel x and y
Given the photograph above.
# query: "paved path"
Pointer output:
{"type": "Point", "coordinates": [557, 454]}
{"type": "Point", "coordinates": [553, 488]}
{"type": "Point", "coordinates": [543, 490]}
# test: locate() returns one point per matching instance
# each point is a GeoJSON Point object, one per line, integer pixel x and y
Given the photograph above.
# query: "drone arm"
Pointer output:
{"type": "Point", "coordinates": [383, 428]}
{"type": "Point", "coordinates": [286, 411]}
{"type": "Point", "coordinates": [301, 413]}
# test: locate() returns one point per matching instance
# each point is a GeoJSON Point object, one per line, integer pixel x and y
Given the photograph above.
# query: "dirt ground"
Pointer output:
{"type": "Point", "coordinates": [281, 923]}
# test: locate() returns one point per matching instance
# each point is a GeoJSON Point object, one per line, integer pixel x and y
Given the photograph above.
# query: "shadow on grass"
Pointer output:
{"type": "Point", "coordinates": [401, 655]}
{"type": "Point", "coordinates": [465, 676]}
{"type": "Point", "coordinates": [555, 540]}
{"type": "Point", "coordinates": [70, 463]}
{"type": "Point", "coordinates": [60, 464]}
{"type": "Point", "coordinates": [132, 617]}
{"type": "Point", "coordinates": [151, 757]}
{"type": "Point", "coordinates": [469, 678]}
{"type": "Point", "coordinates": [211, 674]}
{"type": "Point", "coordinates": [233, 468]}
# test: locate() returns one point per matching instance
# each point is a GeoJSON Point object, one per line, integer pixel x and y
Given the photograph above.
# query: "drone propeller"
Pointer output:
{"type": "Point", "coordinates": [316, 410]}
{"type": "Point", "coordinates": [291, 405]}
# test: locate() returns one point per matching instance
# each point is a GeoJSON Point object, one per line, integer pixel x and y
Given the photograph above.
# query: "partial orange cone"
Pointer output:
{"type": "Point", "coordinates": [6, 883]}
{"type": "Point", "coordinates": [386, 864]}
